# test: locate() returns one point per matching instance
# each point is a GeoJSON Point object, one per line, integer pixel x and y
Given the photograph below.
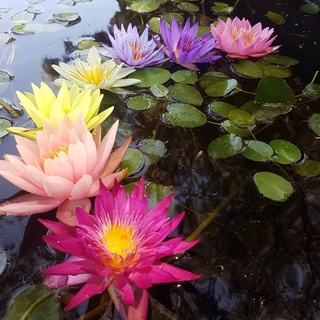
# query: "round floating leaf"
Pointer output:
{"type": "Point", "coordinates": [274, 90]}
{"type": "Point", "coordinates": [155, 193]}
{"type": "Point", "coordinates": [313, 90]}
{"type": "Point", "coordinates": [21, 29]}
{"type": "Point", "coordinates": [314, 123]}
{"type": "Point", "coordinates": [66, 17]}
{"type": "Point", "coordinates": [285, 151]}
{"type": "Point", "coordinates": [231, 128]}
{"type": "Point", "coordinates": [272, 186]}
{"type": "Point", "coordinates": [170, 15]}
{"type": "Point", "coordinates": [23, 16]}
{"type": "Point", "coordinates": [222, 108]}
{"type": "Point", "coordinates": [268, 111]}
{"type": "Point", "coordinates": [154, 24]}
{"type": "Point", "coordinates": [185, 76]}
{"type": "Point", "coordinates": [159, 90]}
{"type": "Point", "coordinates": [310, 8]}
{"type": "Point", "coordinates": [251, 106]}
{"type": "Point", "coordinates": [210, 78]}
{"type": "Point", "coordinates": [145, 5]}
{"type": "Point", "coordinates": [188, 7]}
{"type": "Point", "coordinates": [5, 76]}
{"type": "Point", "coordinates": [185, 93]}
{"type": "Point", "coordinates": [222, 10]}
{"type": "Point", "coordinates": [240, 118]}
{"type": "Point", "coordinates": [225, 146]}
{"type": "Point", "coordinates": [142, 102]}
{"type": "Point", "coordinates": [221, 88]}
{"type": "Point", "coordinates": [133, 160]}
{"type": "Point", "coordinates": [151, 76]}
{"type": "Point", "coordinates": [153, 149]}
{"type": "Point", "coordinates": [279, 59]}
{"type": "Point", "coordinates": [257, 150]}
{"type": "Point", "coordinates": [32, 28]}
{"type": "Point", "coordinates": [66, 2]}
{"type": "Point", "coordinates": [4, 123]}
{"type": "Point", "coordinates": [184, 115]}
{"type": "Point", "coordinates": [248, 69]}
{"type": "Point", "coordinates": [272, 70]}
{"type": "Point", "coordinates": [309, 168]}
{"type": "Point", "coordinates": [276, 17]}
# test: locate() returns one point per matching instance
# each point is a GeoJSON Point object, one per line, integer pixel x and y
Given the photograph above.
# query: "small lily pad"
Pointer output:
{"type": "Point", "coordinates": [248, 69]}
{"type": "Point", "coordinates": [268, 111]}
{"type": "Point", "coordinates": [23, 16]}
{"type": "Point", "coordinates": [313, 90]}
{"type": "Point", "coordinates": [309, 168]}
{"type": "Point", "coordinates": [154, 149]}
{"type": "Point", "coordinates": [155, 193]}
{"type": "Point", "coordinates": [141, 102]}
{"type": "Point", "coordinates": [4, 124]}
{"type": "Point", "coordinates": [276, 18]}
{"type": "Point", "coordinates": [188, 7]}
{"type": "Point", "coordinates": [285, 151]}
{"type": "Point", "coordinates": [221, 88]}
{"type": "Point", "coordinates": [240, 118]}
{"type": "Point", "coordinates": [274, 70]}
{"type": "Point", "coordinates": [159, 90]}
{"type": "Point", "coordinates": [5, 38]}
{"type": "Point", "coordinates": [184, 115]}
{"type": "Point", "coordinates": [222, 108]}
{"type": "Point", "coordinates": [273, 186]}
{"type": "Point", "coordinates": [279, 59]}
{"type": "Point", "coordinates": [231, 128]}
{"type": "Point", "coordinates": [185, 93]}
{"type": "Point", "coordinates": [151, 76]}
{"type": "Point", "coordinates": [5, 76]}
{"type": "Point", "coordinates": [310, 8]}
{"type": "Point", "coordinates": [257, 150]}
{"type": "Point", "coordinates": [167, 17]}
{"type": "Point", "coordinates": [314, 123]}
{"type": "Point", "coordinates": [133, 161]}
{"type": "Point", "coordinates": [66, 16]}
{"type": "Point", "coordinates": [225, 146]}
{"type": "Point", "coordinates": [143, 6]}
{"type": "Point", "coordinates": [185, 76]}
{"type": "Point", "coordinates": [210, 78]}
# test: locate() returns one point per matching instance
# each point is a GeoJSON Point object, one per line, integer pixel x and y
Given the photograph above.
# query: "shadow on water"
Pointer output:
{"type": "Point", "coordinates": [258, 259]}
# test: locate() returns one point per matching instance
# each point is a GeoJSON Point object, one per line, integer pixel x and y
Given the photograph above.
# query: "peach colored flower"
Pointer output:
{"type": "Point", "coordinates": [62, 168]}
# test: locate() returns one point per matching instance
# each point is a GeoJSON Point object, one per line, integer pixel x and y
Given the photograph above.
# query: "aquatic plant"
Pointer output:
{"type": "Point", "coordinates": [118, 248]}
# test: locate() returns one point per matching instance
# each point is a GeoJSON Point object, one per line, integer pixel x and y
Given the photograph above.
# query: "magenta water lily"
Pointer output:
{"type": "Point", "coordinates": [132, 49]}
{"type": "Point", "coordinates": [241, 40]}
{"type": "Point", "coordinates": [182, 46]}
{"type": "Point", "coordinates": [119, 246]}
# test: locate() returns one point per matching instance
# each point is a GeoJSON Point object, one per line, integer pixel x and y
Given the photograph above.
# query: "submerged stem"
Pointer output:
{"type": "Point", "coordinates": [314, 77]}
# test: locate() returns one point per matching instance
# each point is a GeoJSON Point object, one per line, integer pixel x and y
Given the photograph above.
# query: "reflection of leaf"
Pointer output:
{"type": "Point", "coordinates": [268, 111]}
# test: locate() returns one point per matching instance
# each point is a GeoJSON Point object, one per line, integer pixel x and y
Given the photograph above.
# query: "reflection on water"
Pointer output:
{"type": "Point", "coordinates": [259, 260]}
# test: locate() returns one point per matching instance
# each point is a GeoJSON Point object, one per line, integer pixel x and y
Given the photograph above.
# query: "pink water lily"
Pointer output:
{"type": "Point", "coordinates": [120, 247]}
{"type": "Point", "coordinates": [182, 46]}
{"type": "Point", "coordinates": [62, 168]}
{"type": "Point", "coordinates": [132, 49]}
{"type": "Point", "coordinates": [241, 40]}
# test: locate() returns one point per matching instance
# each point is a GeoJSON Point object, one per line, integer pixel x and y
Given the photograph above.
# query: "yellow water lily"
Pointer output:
{"type": "Point", "coordinates": [94, 74]}
{"type": "Point", "coordinates": [43, 106]}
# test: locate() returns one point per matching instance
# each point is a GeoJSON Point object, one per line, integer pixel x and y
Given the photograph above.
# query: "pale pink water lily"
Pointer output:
{"type": "Point", "coordinates": [132, 49]}
{"type": "Point", "coordinates": [62, 168]}
{"type": "Point", "coordinates": [241, 40]}
{"type": "Point", "coordinates": [120, 247]}
{"type": "Point", "coordinates": [182, 46]}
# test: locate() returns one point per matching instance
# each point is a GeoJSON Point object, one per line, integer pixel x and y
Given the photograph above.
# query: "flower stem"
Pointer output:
{"type": "Point", "coordinates": [244, 91]}
{"type": "Point", "coordinates": [314, 77]}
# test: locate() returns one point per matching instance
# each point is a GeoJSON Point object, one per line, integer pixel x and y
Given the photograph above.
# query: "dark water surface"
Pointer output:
{"type": "Point", "coordinates": [259, 259]}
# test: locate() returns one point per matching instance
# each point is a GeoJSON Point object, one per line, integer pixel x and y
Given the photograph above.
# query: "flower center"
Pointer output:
{"type": "Point", "coordinates": [248, 35]}
{"type": "Point", "coordinates": [137, 51]}
{"type": "Point", "coordinates": [55, 153]}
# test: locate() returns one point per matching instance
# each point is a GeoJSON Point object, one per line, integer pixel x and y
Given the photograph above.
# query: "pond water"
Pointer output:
{"type": "Point", "coordinates": [259, 259]}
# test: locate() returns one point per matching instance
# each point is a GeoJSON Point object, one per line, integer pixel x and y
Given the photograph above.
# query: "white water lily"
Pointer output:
{"type": "Point", "coordinates": [94, 74]}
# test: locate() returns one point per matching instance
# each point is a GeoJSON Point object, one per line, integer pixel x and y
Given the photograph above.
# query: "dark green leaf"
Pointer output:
{"type": "Point", "coordinates": [309, 168]}
{"type": "Point", "coordinates": [313, 90]}
{"type": "Point", "coordinates": [268, 111]}
{"type": "Point", "coordinates": [185, 93]}
{"type": "Point", "coordinates": [257, 150]}
{"type": "Point", "coordinates": [133, 160]}
{"type": "Point", "coordinates": [310, 8]}
{"type": "Point", "coordinates": [153, 149]}
{"type": "Point", "coordinates": [221, 88]}
{"type": "Point", "coordinates": [248, 69]}
{"type": "Point", "coordinates": [240, 118]}
{"type": "Point", "coordinates": [210, 78]}
{"type": "Point", "coordinates": [156, 193]}
{"type": "Point", "coordinates": [185, 76]}
{"type": "Point", "coordinates": [272, 186]}
{"type": "Point", "coordinates": [314, 123]}
{"type": "Point", "coordinates": [151, 76]}
{"type": "Point", "coordinates": [279, 59]}
{"type": "Point", "coordinates": [274, 70]}
{"type": "Point", "coordinates": [142, 102]}
{"type": "Point", "coordinates": [142, 6]}
{"type": "Point", "coordinates": [231, 128]}
{"type": "Point", "coordinates": [188, 7]}
{"type": "Point", "coordinates": [170, 15]}
{"type": "Point", "coordinates": [225, 146]}
{"type": "Point", "coordinates": [285, 151]}
{"type": "Point", "coordinates": [222, 108]}
{"type": "Point", "coordinates": [276, 17]}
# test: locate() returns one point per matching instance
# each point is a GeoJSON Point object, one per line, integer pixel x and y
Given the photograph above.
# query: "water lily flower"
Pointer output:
{"type": "Point", "coordinates": [43, 106]}
{"type": "Point", "coordinates": [95, 74]}
{"type": "Point", "coordinates": [62, 168]}
{"type": "Point", "coordinates": [119, 246]}
{"type": "Point", "coordinates": [182, 46]}
{"type": "Point", "coordinates": [241, 40]}
{"type": "Point", "coordinates": [131, 49]}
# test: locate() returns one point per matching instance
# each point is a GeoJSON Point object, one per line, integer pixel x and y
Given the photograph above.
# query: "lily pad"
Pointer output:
{"type": "Point", "coordinates": [154, 149]}
{"type": "Point", "coordinates": [159, 90]}
{"type": "Point", "coordinates": [248, 69]}
{"type": "Point", "coordinates": [268, 111]}
{"type": "Point", "coordinates": [313, 90]}
{"type": "Point", "coordinates": [133, 161]}
{"type": "Point", "coordinates": [5, 76]}
{"type": "Point", "coordinates": [143, 6]}
{"type": "Point", "coordinates": [225, 146]}
{"type": "Point", "coordinates": [23, 16]}
{"type": "Point", "coordinates": [310, 8]}
{"type": "Point", "coordinates": [274, 90]}
{"type": "Point", "coordinates": [222, 108]}
{"type": "Point", "coordinates": [185, 93]}
{"type": "Point", "coordinates": [221, 88]}
{"type": "Point", "coordinates": [21, 29]}
{"type": "Point", "coordinates": [151, 76]}
{"type": "Point", "coordinates": [185, 76]}
{"type": "Point", "coordinates": [32, 28]}
{"type": "Point", "coordinates": [210, 78]}
{"type": "Point", "coordinates": [285, 151]}
{"type": "Point", "coordinates": [188, 7]}
{"type": "Point", "coordinates": [273, 186]}
{"type": "Point", "coordinates": [257, 150]}
{"type": "Point", "coordinates": [184, 115]}
{"type": "Point", "coordinates": [276, 18]}
{"type": "Point", "coordinates": [314, 123]}
{"type": "Point", "coordinates": [154, 24]}
{"type": "Point", "coordinates": [141, 102]}
{"type": "Point", "coordinates": [5, 38]}
{"type": "Point", "coordinates": [167, 17]}
{"type": "Point", "coordinates": [231, 128]}
{"type": "Point", "coordinates": [66, 17]}
{"type": "Point", "coordinates": [279, 59]}
{"type": "Point", "coordinates": [240, 118]}
{"type": "Point", "coordinates": [309, 168]}
{"type": "Point", "coordinates": [274, 70]}
{"type": "Point", "coordinates": [4, 123]}
{"type": "Point", "coordinates": [155, 193]}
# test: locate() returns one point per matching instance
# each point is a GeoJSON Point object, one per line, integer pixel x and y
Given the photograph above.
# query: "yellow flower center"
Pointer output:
{"type": "Point", "coordinates": [137, 52]}
{"type": "Point", "coordinates": [55, 153]}
{"type": "Point", "coordinates": [248, 35]}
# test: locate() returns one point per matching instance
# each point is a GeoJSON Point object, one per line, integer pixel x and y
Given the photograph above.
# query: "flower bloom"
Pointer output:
{"type": "Point", "coordinates": [120, 244]}
{"type": "Point", "coordinates": [131, 49]}
{"type": "Point", "coordinates": [62, 168]}
{"type": "Point", "coordinates": [94, 74]}
{"type": "Point", "coordinates": [43, 106]}
{"type": "Point", "coordinates": [240, 40]}
{"type": "Point", "coordinates": [182, 46]}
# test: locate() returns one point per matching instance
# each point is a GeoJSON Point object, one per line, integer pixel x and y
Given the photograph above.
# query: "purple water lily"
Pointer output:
{"type": "Point", "coordinates": [182, 46]}
{"type": "Point", "coordinates": [132, 49]}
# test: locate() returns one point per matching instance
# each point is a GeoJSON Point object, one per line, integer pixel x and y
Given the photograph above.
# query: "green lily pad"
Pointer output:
{"type": "Point", "coordinates": [133, 160]}
{"type": "Point", "coordinates": [231, 128]}
{"type": "Point", "coordinates": [240, 118]}
{"type": "Point", "coordinates": [310, 8]}
{"type": "Point", "coordinates": [274, 90]}
{"type": "Point", "coordinates": [188, 7]}
{"type": "Point", "coordinates": [66, 17]}
{"type": "Point", "coordinates": [185, 93]}
{"type": "Point", "coordinates": [210, 78]}
{"type": "Point", "coordinates": [4, 123]}
{"type": "Point", "coordinates": [274, 70]}
{"type": "Point", "coordinates": [154, 24]}
{"type": "Point", "coordinates": [222, 9]}
{"type": "Point", "coordinates": [167, 17]}
{"type": "Point", "coordinates": [251, 106]}
{"type": "Point", "coordinates": [309, 168]}
{"type": "Point", "coordinates": [154, 149]}
{"type": "Point", "coordinates": [257, 150]}
{"type": "Point", "coordinates": [273, 186]}
{"type": "Point", "coordinates": [276, 17]}
{"type": "Point", "coordinates": [285, 151]}
{"type": "Point", "coordinates": [222, 108]}
{"type": "Point", "coordinates": [313, 90]}
{"type": "Point", "coordinates": [143, 6]}
{"type": "Point", "coordinates": [151, 76]}
{"type": "Point", "coordinates": [184, 115]}
{"type": "Point", "coordinates": [314, 123]}
{"type": "Point", "coordinates": [248, 69]}
{"type": "Point", "coordinates": [221, 88]}
{"type": "Point", "coordinates": [279, 59]}
{"type": "Point", "coordinates": [268, 111]}
{"type": "Point", "coordinates": [155, 193]}
{"type": "Point", "coordinates": [159, 90]}
{"type": "Point", "coordinates": [185, 76]}
{"type": "Point", "coordinates": [141, 102]}
{"type": "Point", "coordinates": [21, 29]}
{"type": "Point", "coordinates": [225, 146]}
{"type": "Point", "coordinates": [32, 28]}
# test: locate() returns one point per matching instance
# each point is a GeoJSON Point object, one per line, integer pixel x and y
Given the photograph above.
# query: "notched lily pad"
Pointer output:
{"type": "Point", "coordinates": [141, 102]}
{"type": "Point", "coordinates": [151, 76]}
{"type": "Point", "coordinates": [279, 59]}
{"type": "Point", "coordinates": [221, 88]}
{"type": "Point", "coordinates": [285, 151]}
{"type": "Point", "coordinates": [23, 16]}
{"type": "Point", "coordinates": [188, 7]}
{"type": "Point", "coordinates": [143, 6]}
{"type": "Point", "coordinates": [4, 124]}
{"type": "Point", "coordinates": [66, 16]}
{"type": "Point", "coordinates": [225, 146]}
{"type": "Point", "coordinates": [185, 93]}
{"type": "Point", "coordinates": [248, 69]}
{"type": "Point", "coordinates": [257, 150]}
{"type": "Point", "coordinates": [154, 149]}
{"type": "Point", "coordinates": [274, 70]}
{"type": "Point", "coordinates": [185, 76]}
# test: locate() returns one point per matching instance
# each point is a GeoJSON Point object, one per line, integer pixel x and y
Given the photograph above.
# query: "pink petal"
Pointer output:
{"type": "Point", "coordinates": [82, 188]}
{"type": "Point", "coordinates": [58, 187]}
{"type": "Point", "coordinates": [142, 280]}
